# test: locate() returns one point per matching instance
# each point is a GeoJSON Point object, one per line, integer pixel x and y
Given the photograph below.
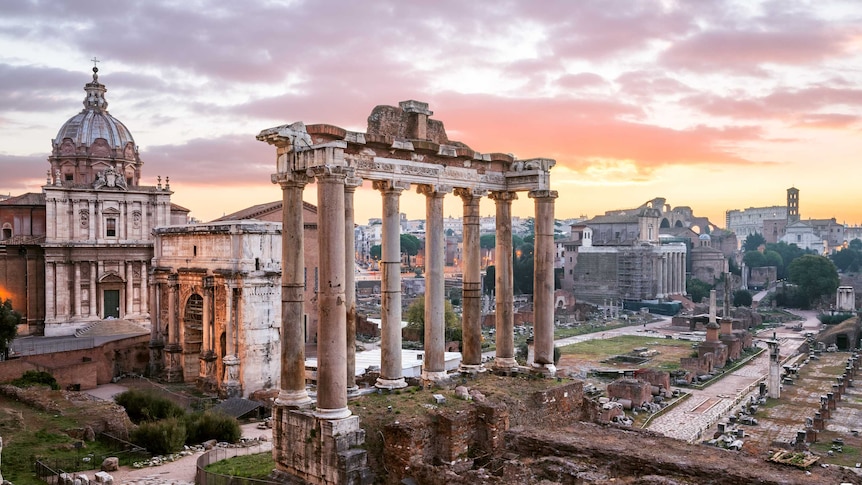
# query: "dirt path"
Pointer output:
{"type": "Point", "coordinates": [180, 472]}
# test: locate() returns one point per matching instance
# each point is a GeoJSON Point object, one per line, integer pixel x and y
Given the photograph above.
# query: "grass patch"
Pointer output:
{"type": "Point", "coordinates": [257, 466]}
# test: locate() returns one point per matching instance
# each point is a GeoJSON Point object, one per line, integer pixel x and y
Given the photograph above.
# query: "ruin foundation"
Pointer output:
{"type": "Point", "coordinates": [308, 449]}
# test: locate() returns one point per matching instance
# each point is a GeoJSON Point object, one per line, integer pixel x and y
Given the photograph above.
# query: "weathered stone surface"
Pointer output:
{"type": "Point", "coordinates": [110, 464]}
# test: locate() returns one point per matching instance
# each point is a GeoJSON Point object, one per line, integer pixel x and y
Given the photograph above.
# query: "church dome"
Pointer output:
{"type": "Point", "coordinates": [94, 122]}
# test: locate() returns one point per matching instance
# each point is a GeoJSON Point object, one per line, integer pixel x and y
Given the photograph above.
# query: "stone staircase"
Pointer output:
{"type": "Point", "coordinates": [103, 328]}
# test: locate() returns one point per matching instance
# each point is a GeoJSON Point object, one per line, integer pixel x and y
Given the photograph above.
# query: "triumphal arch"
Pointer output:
{"type": "Point", "coordinates": [402, 147]}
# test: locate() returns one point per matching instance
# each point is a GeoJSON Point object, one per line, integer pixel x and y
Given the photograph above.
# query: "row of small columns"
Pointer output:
{"type": "Point", "coordinates": [671, 274]}
{"type": "Point", "coordinates": [336, 297]}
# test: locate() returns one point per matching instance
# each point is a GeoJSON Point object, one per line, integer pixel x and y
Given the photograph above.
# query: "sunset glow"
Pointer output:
{"type": "Point", "coordinates": [713, 105]}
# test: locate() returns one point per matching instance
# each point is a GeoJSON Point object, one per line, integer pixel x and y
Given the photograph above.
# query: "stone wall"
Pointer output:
{"type": "Point", "coordinates": [86, 367]}
{"type": "Point", "coordinates": [636, 391]}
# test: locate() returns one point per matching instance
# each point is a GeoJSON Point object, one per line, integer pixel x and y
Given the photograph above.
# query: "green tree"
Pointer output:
{"type": "Point", "coordinates": [753, 241]}
{"type": "Point", "coordinates": [815, 275]}
{"type": "Point", "coordinates": [489, 281]}
{"type": "Point", "coordinates": [415, 316]}
{"type": "Point", "coordinates": [788, 253]}
{"type": "Point", "coordinates": [856, 244]}
{"type": "Point", "coordinates": [375, 252]}
{"type": "Point", "coordinates": [9, 321]}
{"type": "Point", "coordinates": [742, 298]}
{"type": "Point", "coordinates": [488, 241]}
{"type": "Point", "coordinates": [847, 259]}
{"type": "Point", "coordinates": [754, 259]}
{"type": "Point", "coordinates": [773, 258]}
{"type": "Point", "coordinates": [410, 244]}
{"type": "Point", "coordinates": [697, 289]}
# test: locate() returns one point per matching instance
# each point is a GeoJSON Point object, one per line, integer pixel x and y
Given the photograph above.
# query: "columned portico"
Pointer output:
{"type": "Point", "coordinates": [471, 324]}
{"type": "Point", "coordinates": [391, 373]}
{"type": "Point", "coordinates": [543, 285]}
{"type": "Point", "coordinates": [504, 282]}
{"type": "Point", "coordinates": [434, 368]}
{"type": "Point", "coordinates": [402, 147]}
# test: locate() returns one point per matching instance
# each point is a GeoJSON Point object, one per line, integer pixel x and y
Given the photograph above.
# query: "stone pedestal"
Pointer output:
{"type": "Point", "coordinates": [174, 369]}
{"type": "Point", "coordinates": [231, 386]}
{"type": "Point", "coordinates": [307, 449]}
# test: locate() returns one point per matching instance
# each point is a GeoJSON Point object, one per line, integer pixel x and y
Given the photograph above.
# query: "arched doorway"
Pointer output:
{"type": "Point", "coordinates": [111, 288]}
{"type": "Point", "coordinates": [192, 336]}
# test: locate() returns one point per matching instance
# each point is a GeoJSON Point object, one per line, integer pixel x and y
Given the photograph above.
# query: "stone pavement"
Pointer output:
{"type": "Point", "coordinates": [688, 420]}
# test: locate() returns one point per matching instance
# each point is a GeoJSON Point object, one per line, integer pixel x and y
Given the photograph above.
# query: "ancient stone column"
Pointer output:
{"type": "Point", "coordinates": [94, 307]}
{"type": "Point", "coordinates": [391, 374]}
{"type": "Point", "coordinates": [659, 292]}
{"type": "Point", "coordinates": [174, 348]}
{"type": "Point", "coordinates": [774, 379]}
{"type": "Point", "coordinates": [332, 330]}
{"type": "Point", "coordinates": [434, 366]}
{"type": "Point", "coordinates": [145, 304]}
{"type": "Point", "coordinates": [230, 384]}
{"type": "Point", "coordinates": [471, 323]}
{"type": "Point", "coordinates": [504, 282]}
{"type": "Point", "coordinates": [543, 281]}
{"type": "Point", "coordinates": [350, 185]}
{"type": "Point", "coordinates": [50, 308]}
{"type": "Point", "coordinates": [292, 382]}
{"type": "Point", "coordinates": [77, 289]}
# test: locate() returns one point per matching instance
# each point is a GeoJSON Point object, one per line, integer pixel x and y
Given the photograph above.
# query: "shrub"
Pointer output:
{"type": "Point", "coordinates": [212, 426]}
{"type": "Point", "coordinates": [36, 378]}
{"type": "Point", "coordinates": [146, 406]}
{"type": "Point", "coordinates": [833, 319]}
{"type": "Point", "coordinates": [161, 437]}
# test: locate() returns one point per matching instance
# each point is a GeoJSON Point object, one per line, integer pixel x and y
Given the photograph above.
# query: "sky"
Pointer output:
{"type": "Point", "coordinates": [712, 104]}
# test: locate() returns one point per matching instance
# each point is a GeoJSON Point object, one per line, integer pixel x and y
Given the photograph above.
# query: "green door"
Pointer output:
{"type": "Point", "coordinates": [112, 303]}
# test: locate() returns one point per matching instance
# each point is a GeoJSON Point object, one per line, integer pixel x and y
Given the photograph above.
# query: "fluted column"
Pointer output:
{"type": "Point", "coordinates": [543, 281]}
{"type": "Point", "coordinates": [174, 347]}
{"type": "Point", "coordinates": [94, 294]}
{"type": "Point", "coordinates": [292, 382]}
{"type": "Point", "coordinates": [504, 282]}
{"type": "Point", "coordinates": [391, 373]}
{"type": "Point", "coordinates": [350, 185]}
{"type": "Point", "coordinates": [332, 329]}
{"type": "Point", "coordinates": [77, 289]}
{"type": "Point", "coordinates": [434, 365]}
{"type": "Point", "coordinates": [130, 276]}
{"type": "Point", "coordinates": [471, 323]}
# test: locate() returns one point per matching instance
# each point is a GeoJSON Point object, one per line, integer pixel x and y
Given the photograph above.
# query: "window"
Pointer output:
{"type": "Point", "coordinates": [194, 250]}
{"type": "Point", "coordinates": [70, 177]}
{"type": "Point", "coordinates": [111, 227]}
{"type": "Point", "coordinates": [7, 232]}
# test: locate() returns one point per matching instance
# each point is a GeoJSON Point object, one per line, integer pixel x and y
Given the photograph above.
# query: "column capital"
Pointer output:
{"type": "Point", "coordinates": [503, 196]}
{"type": "Point", "coordinates": [470, 192]}
{"type": "Point", "coordinates": [391, 185]}
{"type": "Point", "coordinates": [435, 190]}
{"type": "Point", "coordinates": [352, 181]}
{"type": "Point", "coordinates": [542, 194]}
{"type": "Point", "coordinates": [331, 172]}
{"type": "Point", "coordinates": [290, 179]}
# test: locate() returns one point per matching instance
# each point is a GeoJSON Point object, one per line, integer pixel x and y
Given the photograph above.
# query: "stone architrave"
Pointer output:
{"type": "Point", "coordinates": [391, 373]}
{"type": "Point", "coordinates": [504, 283]}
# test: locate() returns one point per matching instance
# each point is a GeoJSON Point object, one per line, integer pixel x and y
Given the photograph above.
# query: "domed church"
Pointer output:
{"type": "Point", "coordinates": [87, 238]}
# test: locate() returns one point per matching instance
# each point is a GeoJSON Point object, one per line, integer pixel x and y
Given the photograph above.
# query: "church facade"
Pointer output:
{"type": "Point", "coordinates": [86, 241]}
